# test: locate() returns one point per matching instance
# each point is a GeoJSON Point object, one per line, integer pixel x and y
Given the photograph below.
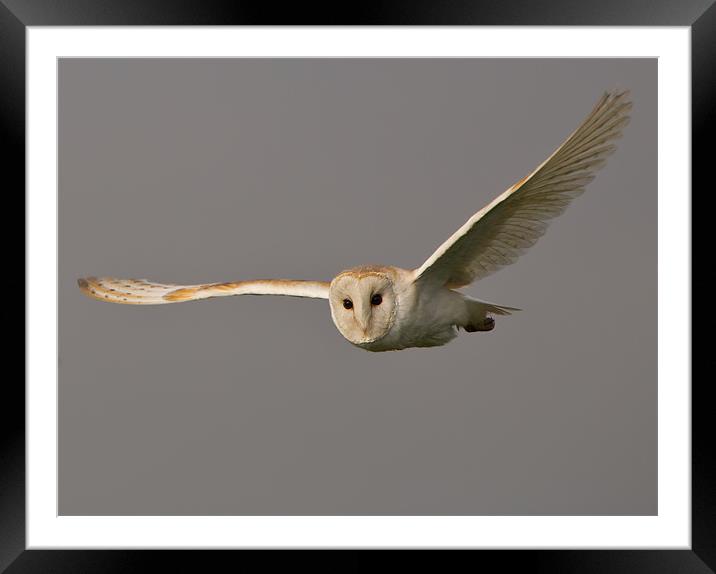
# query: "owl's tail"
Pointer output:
{"type": "Point", "coordinates": [481, 308]}
{"type": "Point", "coordinates": [478, 316]}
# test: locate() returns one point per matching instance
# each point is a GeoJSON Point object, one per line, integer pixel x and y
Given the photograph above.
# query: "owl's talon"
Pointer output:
{"type": "Point", "coordinates": [487, 325]}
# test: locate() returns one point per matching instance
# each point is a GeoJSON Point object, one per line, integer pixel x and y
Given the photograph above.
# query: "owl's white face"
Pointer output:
{"type": "Point", "coordinates": [363, 305]}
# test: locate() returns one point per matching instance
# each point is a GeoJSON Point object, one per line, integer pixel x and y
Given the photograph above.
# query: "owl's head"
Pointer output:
{"type": "Point", "coordinates": [363, 304]}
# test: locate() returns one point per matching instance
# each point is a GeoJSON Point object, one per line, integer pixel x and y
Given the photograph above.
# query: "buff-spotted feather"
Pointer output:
{"type": "Point", "coordinates": [144, 292]}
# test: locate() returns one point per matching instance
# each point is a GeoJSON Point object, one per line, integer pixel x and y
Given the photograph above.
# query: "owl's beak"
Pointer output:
{"type": "Point", "coordinates": [363, 326]}
{"type": "Point", "coordinates": [362, 316]}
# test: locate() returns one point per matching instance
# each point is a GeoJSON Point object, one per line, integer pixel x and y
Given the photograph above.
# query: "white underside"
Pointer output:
{"type": "Point", "coordinates": [431, 318]}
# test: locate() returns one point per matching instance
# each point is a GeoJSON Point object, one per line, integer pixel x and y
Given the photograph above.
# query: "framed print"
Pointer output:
{"type": "Point", "coordinates": [550, 418]}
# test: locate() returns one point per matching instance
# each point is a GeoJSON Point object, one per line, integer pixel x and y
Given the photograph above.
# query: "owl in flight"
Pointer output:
{"type": "Point", "coordinates": [385, 308]}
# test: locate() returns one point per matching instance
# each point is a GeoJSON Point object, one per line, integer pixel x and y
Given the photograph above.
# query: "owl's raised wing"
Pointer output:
{"type": "Point", "coordinates": [500, 232]}
{"type": "Point", "coordinates": [143, 292]}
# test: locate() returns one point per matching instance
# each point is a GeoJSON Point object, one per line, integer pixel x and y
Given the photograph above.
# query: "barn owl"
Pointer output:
{"type": "Point", "coordinates": [383, 308]}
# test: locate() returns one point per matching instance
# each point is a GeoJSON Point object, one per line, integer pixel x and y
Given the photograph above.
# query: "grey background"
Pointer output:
{"type": "Point", "coordinates": [207, 170]}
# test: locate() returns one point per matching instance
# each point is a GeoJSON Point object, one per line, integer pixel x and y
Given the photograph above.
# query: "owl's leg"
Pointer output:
{"type": "Point", "coordinates": [488, 324]}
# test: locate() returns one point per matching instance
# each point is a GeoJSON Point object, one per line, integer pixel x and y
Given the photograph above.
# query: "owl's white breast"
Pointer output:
{"type": "Point", "coordinates": [424, 318]}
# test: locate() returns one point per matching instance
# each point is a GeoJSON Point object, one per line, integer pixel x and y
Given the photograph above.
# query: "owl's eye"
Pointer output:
{"type": "Point", "coordinates": [376, 299]}
{"type": "Point", "coordinates": [347, 304]}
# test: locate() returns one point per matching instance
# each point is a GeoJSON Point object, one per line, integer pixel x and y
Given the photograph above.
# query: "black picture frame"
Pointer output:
{"type": "Point", "coordinates": [700, 15]}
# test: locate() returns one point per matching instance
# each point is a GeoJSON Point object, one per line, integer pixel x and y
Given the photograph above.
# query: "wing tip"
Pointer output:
{"type": "Point", "coordinates": [106, 289]}
{"type": "Point", "coordinates": [88, 286]}
{"type": "Point", "coordinates": [617, 94]}
{"type": "Point", "coordinates": [85, 285]}
{"type": "Point", "coordinates": [620, 97]}
{"type": "Point", "coordinates": [613, 98]}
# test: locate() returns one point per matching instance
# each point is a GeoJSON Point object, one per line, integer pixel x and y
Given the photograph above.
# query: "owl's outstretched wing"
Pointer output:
{"type": "Point", "coordinates": [143, 292]}
{"type": "Point", "coordinates": [500, 232]}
